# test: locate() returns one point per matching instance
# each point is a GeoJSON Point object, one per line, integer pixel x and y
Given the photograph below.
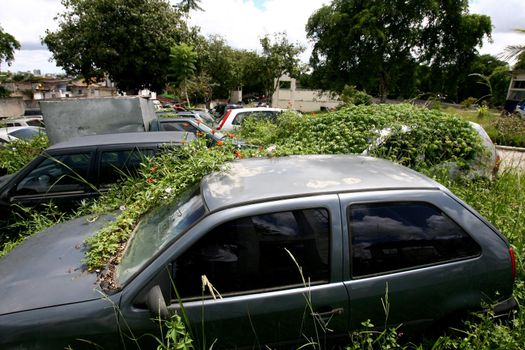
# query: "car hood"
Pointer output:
{"type": "Point", "coordinates": [46, 269]}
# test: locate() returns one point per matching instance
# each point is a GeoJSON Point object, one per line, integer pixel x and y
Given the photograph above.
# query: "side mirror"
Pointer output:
{"type": "Point", "coordinates": [156, 303]}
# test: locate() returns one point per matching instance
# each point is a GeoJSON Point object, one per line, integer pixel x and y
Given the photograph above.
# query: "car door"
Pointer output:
{"type": "Point", "coordinates": [61, 178]}
{"type": "Point", "coordinates": [273, 274]}
{"type": "Point", "coordinates": [408, 261]}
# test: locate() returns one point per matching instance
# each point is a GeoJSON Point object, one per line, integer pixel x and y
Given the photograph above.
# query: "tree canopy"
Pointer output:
{"type": "Point", "coordinates": [279, 57]}
{"type": "Point", "coordinates": [8, 45]}
{"type": "Point", "coordinates": [378, 45]}
{"type": "Point", "coordinates": [130, 40]}
{"type": "Point", "coordinates": [516, 52]}
{"type": "Point", "coordinates": [187, 5]}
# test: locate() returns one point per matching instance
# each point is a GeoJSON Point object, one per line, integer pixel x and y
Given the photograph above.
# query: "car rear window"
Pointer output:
{"type": "Point", "coordinates": [395, 236]}
{"type": "Point", "coordinates": [268, 115]}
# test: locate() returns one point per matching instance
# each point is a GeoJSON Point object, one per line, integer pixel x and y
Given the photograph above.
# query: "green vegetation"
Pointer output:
{"type": "Point", "coordinates": [503, 130]}
{"type": "Point", "coordinates": [434, 137]}
{"type": "Point", "coordinates": [18, 153]}
{"type": "Point", "coordinates": [129, 41]}
{"type": "Point", "coordinates": [8, 45]}
{"type": "Point", "coordinates": [396, 47]}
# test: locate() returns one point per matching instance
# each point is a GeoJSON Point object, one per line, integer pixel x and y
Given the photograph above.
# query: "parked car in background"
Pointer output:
{"type": "Point", "coordinates": [486, 164]}
{"type": "Point", "coordinates": [205, 116]}
{"type": "Point", "coordinates": [293, 245]}
{"type": "Point", "coordinates": [195, 127]}
{"type": "Point", "coordinates": [233, 118]}
{"type": "Point", "coordinates": [520, 109]}
{"type": "Point", "coordinates": [222, 108]}
{"type": "Point", "coordinates": [25, 121]}
{"type": "Point", "coordinates": [82, 168]}
{"type": "Point", "coordinates": [190, 125]}
{"type": "Point", "coordinates": [12, 133]}
{"type": "Point", "coordinates": [182, 114]}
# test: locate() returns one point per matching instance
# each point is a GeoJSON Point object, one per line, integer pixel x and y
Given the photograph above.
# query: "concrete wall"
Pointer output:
{"type": "Point", "coordinates": [88, 116]}
{"type": "Point", "coordinates": [11, 107]}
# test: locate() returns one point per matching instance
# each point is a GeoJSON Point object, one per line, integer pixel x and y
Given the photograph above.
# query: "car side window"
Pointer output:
{"type": "Point", "coordinates": [250, 254]}
{"type": "Point", "coordinates": [114, 165]}
{"type": "Point", "coordinates": [395, 236]}
{"type": "Point", "coordinates": [57, 174]}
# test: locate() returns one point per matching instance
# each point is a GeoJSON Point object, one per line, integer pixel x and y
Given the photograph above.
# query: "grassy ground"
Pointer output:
{"type": "Point", "coordinates": [503, 130]}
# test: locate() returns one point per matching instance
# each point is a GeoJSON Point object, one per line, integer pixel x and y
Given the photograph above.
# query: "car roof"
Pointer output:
{"type": "Point", "coordinates": [261, 179]}
{"type": "Point", "coordinates": [171, 137]}
{"type": "Point", "coordinates": [255, 109]}
{"type": "Point", "coordinates": [178, 119]}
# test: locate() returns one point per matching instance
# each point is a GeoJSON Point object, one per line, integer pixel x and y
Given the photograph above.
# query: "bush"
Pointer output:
{"type": "Point", "coordinates": [468, 102]}
{"type": "Point", "coordinates": [352, 96]}
{"type": "Point", "coordinates": [16, 154]}
{"type": "Point", "coordinates": [433, 137]}
{"type": "Point", "coordinates": [508, 131]}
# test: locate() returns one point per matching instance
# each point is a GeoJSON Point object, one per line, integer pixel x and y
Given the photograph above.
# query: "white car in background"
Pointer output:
{"type": "Point", "coordinates": [12, 133]}
{"type": "Point", "coordinates": [24, 121]}
{"type": "Point", "coordinates": [520, 109]}
{"type": "Point", "coordinates": [486, 164]}
{"type": "Point", "coordinates": [234, 117]}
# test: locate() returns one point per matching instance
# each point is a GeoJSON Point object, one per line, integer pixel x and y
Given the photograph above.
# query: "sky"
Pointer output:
{"type": "Point", "coordinates": [240, 22]}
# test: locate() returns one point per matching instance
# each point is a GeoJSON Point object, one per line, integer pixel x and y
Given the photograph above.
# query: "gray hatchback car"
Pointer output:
{"type": "Point", "coordinates": [293, 245]}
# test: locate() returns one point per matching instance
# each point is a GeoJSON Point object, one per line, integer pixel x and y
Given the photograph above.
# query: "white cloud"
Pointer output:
{"type": "Point", "coordinates": [505, 16]}
{"type": "Point", "coordinates": [242, 24]}
{"type": "Point", "coordinates": [27, 21]}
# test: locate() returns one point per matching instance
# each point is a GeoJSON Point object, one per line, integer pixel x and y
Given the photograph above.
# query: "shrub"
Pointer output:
{"type": "Point", "coordinates": [351, 95]}
{"type": "Point", "coordinates": [433, 137]}
{"type": "Point", "coordinates": [508, 131]}
{"type": "Point", "coordinates": [468, 102]}
{"type": "Point", "coordinates": [18, 153]}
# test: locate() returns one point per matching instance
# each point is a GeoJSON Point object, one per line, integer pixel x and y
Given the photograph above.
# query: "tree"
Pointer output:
{"type": "Point", "coordinates": [187, 5]}
{"type": "Point", "coordinates": [279, 57]}
{"type": "Point", "coordinates": [182, 67]}
{"type": "Point", "coordinates": [130, 40]}
{"type": "Point", "coordinates": [515, 51]}
{"type": "Point", "coordinates": [217, 60]}
{"type": "Point", "coordinates": [520, 63]}
{"type": "Point", "coordinates": [8, 44]}
{"type": "Point", "coordinates": [378, 45]}
{"type": "Point", "coordinates": [481, 68]}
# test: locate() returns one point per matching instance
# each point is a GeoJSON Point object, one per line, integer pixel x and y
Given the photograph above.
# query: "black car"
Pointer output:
{"type": "Point", "coordinates": [82, 167]}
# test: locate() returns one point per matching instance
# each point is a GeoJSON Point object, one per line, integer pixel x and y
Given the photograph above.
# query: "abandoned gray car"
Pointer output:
{"type": "Point", "coordinates": [291, 245]}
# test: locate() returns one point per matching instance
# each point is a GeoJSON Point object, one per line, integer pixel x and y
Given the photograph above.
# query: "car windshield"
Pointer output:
{"type": "Point", "coordinates": [25, 134]}
{"type": "Point", "coordinates": [157, 228]}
